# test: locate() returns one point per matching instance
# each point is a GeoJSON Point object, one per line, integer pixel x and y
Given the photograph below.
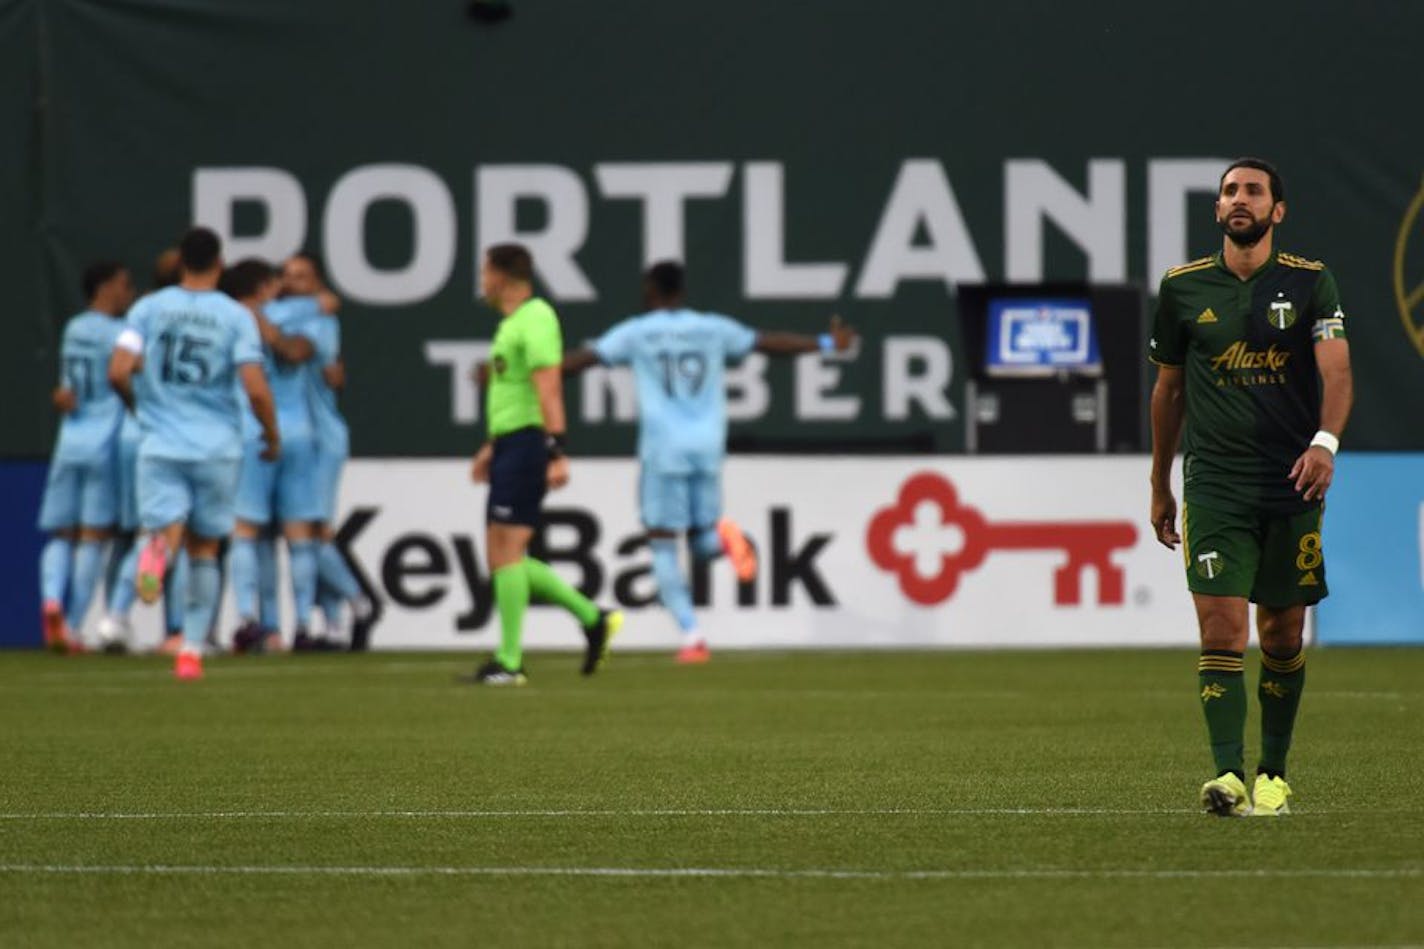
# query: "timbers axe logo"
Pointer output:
{"type": "Point", "coordinates": [928, 504]}
{"type": "Point", "coordinates": [1282, 312]}
{"type": "Point", "coordinates": [1210, 565]}
{"type": "Point", "coordinates": [1408, 264]}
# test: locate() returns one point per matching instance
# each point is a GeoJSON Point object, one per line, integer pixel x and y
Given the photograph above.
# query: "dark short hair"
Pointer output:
{"type": "Point", "coordinates": [245, 278]}
{"type": "Point", "coordinates": [1278, 187]}
{"type": "Point", "coordinates": [512, 260]}
{"type": "Point", "coordinates": [166, 268]}
{"type": "Point", "coordinates": [97, 274]}
{"type": "Point", "coordinates": [199, 250]}
{"type": "Point", "coordinates": [667, 278]}
{"type": "Point", "coordinates": [317, 264]}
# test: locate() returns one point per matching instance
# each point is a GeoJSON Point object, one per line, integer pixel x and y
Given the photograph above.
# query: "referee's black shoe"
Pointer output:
{"type": "Point", "coordinates": [494, 673]}
{"type": "Point", "coordinates": [599, 635]}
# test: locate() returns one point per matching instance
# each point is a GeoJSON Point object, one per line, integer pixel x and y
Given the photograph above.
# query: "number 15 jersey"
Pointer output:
{"type": "Point", "coordinates": [678, 359]}
{"type": "Point", "coordinates": [192, 342]}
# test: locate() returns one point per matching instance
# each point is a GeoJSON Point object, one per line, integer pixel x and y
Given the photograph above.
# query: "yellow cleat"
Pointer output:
{"type": "Point", "coordinates": [1225, 796]}
{"type": "Point", "coordinates": [1269, 797]}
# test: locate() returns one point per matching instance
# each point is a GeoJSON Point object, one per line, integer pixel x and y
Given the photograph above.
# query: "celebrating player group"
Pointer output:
{"type": "Point", "coordinates": [202, 418]}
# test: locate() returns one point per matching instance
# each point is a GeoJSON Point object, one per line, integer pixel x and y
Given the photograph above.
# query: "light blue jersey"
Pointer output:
{"type": "Point", "coordinates": [87, 434]}
{"type": "Point", "coordinates": [332, 436]}
{"type": "Point", "coordinates": [192, 342]}
{"type": "Point", "coordinates": [678, 359]}
{"type": "Point", "coordinates": [293, 316]}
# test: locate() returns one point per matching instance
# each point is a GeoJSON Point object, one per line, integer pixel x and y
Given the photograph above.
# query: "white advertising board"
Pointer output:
{"type": "Point", "coordinates": [855, 552]}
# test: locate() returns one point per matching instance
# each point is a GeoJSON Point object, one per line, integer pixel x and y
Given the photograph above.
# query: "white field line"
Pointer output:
{"type": "Point", "coordinates": [1030, 873]}
{"type": "Point", "coordinates": [579, 813]}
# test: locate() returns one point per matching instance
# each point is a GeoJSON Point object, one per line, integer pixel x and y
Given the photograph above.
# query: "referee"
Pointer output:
{"type": "Point", "coordinates": [523, 458]}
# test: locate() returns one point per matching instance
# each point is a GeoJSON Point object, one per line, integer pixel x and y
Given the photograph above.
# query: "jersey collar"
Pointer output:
{"type": "Point", "coordinates": [1220, 258]}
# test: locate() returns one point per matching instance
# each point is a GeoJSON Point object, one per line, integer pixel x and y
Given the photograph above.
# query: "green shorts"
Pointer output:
{"type": "Point", "coordinates": [1271, 559]}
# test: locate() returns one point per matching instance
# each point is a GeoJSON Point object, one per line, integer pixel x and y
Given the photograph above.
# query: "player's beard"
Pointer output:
{"type": "Point", "coordinates": [1246, 237]}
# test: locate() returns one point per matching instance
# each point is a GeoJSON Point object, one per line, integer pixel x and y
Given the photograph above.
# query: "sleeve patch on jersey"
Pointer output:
{"type": "Point", "coordinates": [1329, 328]}
{"type": "Point", "coordinates": [130, 340]}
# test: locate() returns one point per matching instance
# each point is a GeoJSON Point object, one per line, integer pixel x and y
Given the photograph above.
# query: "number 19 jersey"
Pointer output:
{"type": "Point", "coordinates": [192, 342]}
{"type": "Point", "coordinates": [678, 359]}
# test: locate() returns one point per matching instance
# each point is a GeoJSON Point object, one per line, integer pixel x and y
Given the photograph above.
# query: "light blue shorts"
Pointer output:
{"type": "Point", "coordinates": [284, 490]}
{"type": "Point", "coordinates": [80, 494]}
{"type": "Point", "coordinates": [198, 493]}
{"type": "Point", "coordinates": [127, 471]}
{"type": "Point", "coordinates": [679, 502]}
{"type": "Point", "coordinates": [328, 482]}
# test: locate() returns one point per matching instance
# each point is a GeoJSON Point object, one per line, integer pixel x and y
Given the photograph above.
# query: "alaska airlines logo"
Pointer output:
{"type": "Point", "coordinates": [1409, 292]}
{"type": "Point", "coordinates": [1240, 356]}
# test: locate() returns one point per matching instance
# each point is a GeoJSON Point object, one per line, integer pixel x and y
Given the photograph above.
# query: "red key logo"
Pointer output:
{"type": "Point", "coordinates": [1087, 544]}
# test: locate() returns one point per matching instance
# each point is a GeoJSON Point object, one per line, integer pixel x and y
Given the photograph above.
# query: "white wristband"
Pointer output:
{"type": "Point", "coordinates": [1327, 441]}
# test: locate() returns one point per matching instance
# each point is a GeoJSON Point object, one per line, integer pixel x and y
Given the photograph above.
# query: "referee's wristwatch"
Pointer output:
{"type": "Point", "coordinates": [554, 445]}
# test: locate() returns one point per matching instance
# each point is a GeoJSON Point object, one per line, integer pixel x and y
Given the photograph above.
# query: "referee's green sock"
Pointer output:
{"type": "Point", "coordinates": [548, 586]}
{"type": "Point", "coordinates": [1223, 697]}
{"type": "Point", "coordinates": [511, 598]}
{"type": "Point", "coordinates": [1282, 680]}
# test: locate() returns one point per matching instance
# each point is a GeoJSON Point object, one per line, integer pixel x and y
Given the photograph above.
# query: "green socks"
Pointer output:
{"type": "Point", "coordinates": [1223, 698]}
{"type": "Point", "coordinates": [546, 585]}
{"type": "Point", "coordinates": [513, 586]}
{"type": "Point", "coordinates": [511, 598]}
{"type": "Point", "coordinates": [1282, 680]}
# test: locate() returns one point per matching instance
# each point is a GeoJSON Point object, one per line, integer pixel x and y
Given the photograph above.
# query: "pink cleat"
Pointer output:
{"type": "Point", "coordinates": [694, 654]}
{"type": "Point", "coordinates": [188, 665]}
{"type": "Point", "coordinates": [152, 562]}
{"type": "Point", "coordinates": [56, 630]}
{"type": "Point", "coordinates": [738, 549]}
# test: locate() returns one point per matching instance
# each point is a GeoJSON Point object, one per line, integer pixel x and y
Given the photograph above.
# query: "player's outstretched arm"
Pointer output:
{"type": "Point", "coordinates": [254, 383]}
{"type": "Point", "coordinates": [841, 338]}
{"type": "Point", "coordinates": [1315, 468]}
{"type": "Point", "coordinates": [1168, 410]}
{"type": "Point", "coordinates": [580, 359]}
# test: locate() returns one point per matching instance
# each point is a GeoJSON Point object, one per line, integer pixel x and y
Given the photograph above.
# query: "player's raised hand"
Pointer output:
{"type": "Point", "coordinates": [1164, 519]}
{"type": "Point", "coordinates": [480, 468]}
{"type": "Point", "coordinates": [1312, 472]}
{"type": "Point", "coordinates": [844, 334]}
{"type": "Point", "coordinates": [558, 472]}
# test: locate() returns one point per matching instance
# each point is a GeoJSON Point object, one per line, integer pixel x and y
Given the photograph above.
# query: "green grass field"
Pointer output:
{"type": "Point", "coordinates": [818, 799]}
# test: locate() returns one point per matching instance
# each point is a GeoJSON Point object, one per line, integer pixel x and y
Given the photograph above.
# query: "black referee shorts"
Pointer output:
{"type": "Point", "coordinates": [519, 478]}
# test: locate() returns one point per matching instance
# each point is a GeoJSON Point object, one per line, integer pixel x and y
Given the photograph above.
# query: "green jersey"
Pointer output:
{"type": "Point", "coordinates": [527, 339]}
{"type": "Point", "coordinates": [1247, 353]}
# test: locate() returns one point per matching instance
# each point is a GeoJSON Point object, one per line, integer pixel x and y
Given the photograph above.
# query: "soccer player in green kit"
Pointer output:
{"type": "Point", "coordinates": [523, 458]}
{"type": "Point", "coordinates": [1254, 372]}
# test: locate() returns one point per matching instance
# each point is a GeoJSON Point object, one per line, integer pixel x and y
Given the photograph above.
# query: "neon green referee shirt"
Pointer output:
{"type": "Point", "coordinates": [527, 339]}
